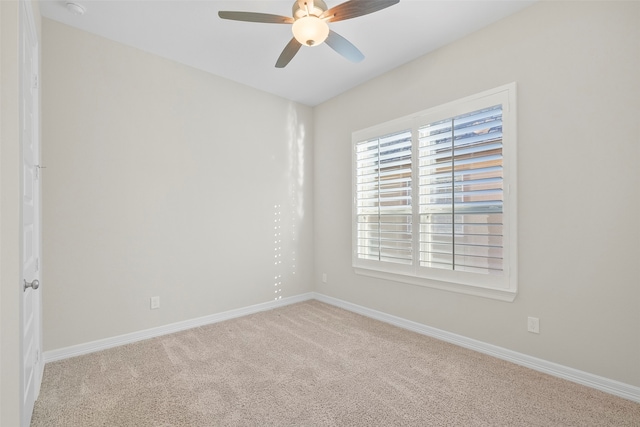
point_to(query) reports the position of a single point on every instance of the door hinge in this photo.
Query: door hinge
(35, 81)
(37, 264)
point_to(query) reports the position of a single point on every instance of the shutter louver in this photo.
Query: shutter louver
(461, 193)
(383, 199)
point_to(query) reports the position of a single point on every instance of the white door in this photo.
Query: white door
(29, 134)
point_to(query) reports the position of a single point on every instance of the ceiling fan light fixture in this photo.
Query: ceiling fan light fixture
(310, 30)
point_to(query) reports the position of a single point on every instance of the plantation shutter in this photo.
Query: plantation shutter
(383, 199)
(461, 193)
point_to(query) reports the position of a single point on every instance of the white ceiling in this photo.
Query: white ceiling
(190, 32)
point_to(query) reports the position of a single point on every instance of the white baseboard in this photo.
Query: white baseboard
(594, 381)
(93, 346)
(616, 388)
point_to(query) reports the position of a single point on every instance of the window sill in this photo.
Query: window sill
(506, 295)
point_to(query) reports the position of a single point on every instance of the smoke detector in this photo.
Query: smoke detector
(75, 8)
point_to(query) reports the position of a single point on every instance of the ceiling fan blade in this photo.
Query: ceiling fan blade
(354, 8)
(255, 17)
(288, 53)
(344, 47)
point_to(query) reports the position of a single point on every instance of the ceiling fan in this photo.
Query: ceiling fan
(310, 25)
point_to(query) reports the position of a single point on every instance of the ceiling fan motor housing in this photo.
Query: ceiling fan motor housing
(299, 9)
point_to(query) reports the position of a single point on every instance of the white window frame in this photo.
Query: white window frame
(501, 287)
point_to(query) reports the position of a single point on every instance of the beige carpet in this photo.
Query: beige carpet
(311, 364)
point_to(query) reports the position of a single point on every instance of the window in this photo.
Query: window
(435, 197)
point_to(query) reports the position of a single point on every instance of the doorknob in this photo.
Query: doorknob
(35, 284)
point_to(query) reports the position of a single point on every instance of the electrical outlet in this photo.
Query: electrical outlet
(155, 302)
(533, 325)
(324, 277)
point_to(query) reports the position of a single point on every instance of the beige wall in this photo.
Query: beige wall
(576, 65)
(166, 181)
